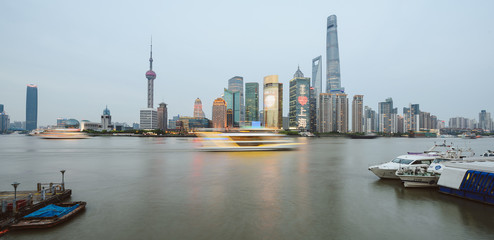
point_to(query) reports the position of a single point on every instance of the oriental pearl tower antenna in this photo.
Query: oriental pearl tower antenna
(150, 75)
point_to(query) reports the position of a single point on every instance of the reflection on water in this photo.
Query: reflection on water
(155, 188)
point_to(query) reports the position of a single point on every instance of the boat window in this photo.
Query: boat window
(422, 162)
(438, 160)
(402, 161)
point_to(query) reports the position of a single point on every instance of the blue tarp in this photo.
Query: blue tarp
(52, 211)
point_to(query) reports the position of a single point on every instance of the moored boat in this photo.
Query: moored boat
(388, 170)
(472, 179)
(49, 216)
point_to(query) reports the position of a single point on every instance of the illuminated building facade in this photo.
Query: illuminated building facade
(299, 109)
(198, 113)
(31, 107)
(251, 103)
(162, 116)
(357, 113)
(333, 79)
(219, 113)
(273, 102)
(236, 85)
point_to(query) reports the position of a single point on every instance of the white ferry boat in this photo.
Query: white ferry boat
(472, 179)
(416, 159)
(388, 170)
(63, 133)
(245, 140)
(428, 175)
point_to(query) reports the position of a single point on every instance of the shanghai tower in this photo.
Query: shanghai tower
(333, 80)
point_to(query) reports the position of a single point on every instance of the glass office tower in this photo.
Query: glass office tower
(333, 80)
(31, 107)
(236, 84)
(251, 103)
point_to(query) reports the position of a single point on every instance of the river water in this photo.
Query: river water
(163, 188)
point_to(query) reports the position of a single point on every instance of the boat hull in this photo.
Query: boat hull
(384, 173)
(47, 222)
(419, 181)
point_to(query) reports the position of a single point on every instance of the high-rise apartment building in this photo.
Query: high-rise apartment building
(358, 113)
(339, 116)
(425, 120)
(105, 120)
(273, 102)
(324, 114)
(251, 103)
(387, 117)
(236, 84)
(312, 110)
(370, 120)
(148, 119)
(219, 113)
(333, 79)
(198, 113)
(411, 117)
(162, 116)
(31, 107)
(299, 109)
(4, 120)
(485, 120)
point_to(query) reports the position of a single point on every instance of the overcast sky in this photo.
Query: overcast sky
(84, 55)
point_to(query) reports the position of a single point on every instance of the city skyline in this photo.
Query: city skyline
(383, 54)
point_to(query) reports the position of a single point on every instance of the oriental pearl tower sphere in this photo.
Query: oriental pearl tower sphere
(150, 75)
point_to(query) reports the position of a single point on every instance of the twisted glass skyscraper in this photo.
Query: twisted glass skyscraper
(333, 80)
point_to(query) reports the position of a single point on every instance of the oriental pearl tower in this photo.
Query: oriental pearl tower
(150, 75)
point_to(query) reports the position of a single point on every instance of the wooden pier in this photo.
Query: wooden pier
(29, 201)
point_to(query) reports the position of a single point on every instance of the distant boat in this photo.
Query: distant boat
(365, 136)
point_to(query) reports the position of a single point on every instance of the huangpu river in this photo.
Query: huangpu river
(163, 188)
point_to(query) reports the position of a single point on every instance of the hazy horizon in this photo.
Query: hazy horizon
(87, 55)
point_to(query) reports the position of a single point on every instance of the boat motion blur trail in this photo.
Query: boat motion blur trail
(245, 140)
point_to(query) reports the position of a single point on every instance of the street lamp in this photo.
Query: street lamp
(14, 205)
(63, 183)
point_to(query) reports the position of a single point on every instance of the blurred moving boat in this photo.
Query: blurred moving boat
(63, 133)
(245, 140)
